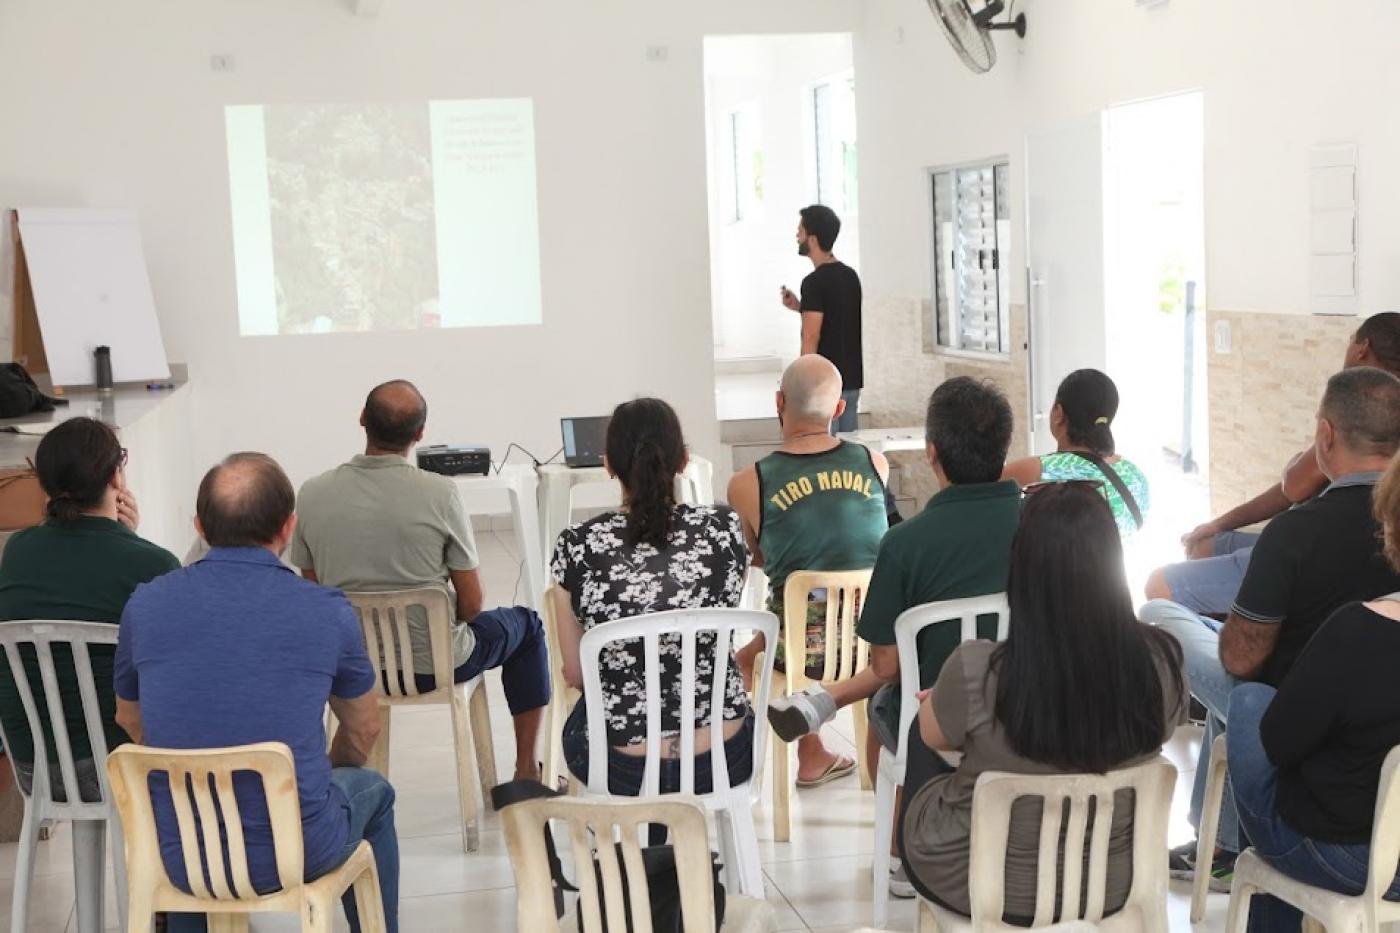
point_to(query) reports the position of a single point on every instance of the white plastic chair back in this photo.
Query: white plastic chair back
(913, 621)
(1385, 843)
(206, 809)
(592, 828)
(1059, 892)
(845, 654)
(685, 624)
(40, 637)
(907, 628)
(385, 623)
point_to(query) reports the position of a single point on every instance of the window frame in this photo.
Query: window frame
(1001, 231)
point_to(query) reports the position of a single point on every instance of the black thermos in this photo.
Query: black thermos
(102, 359)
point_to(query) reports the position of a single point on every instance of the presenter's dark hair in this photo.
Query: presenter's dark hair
(244, 501)
(1089, 400)
(969, 423)
(646, 450)
(821, 222)
(75, 462)
(389, 423)
(1363, 404)
(1382, 332)
(1078, 687)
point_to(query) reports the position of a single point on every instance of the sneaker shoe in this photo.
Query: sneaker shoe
(1222, 872)
(1181, 862)
(899, 884)
(802, 713)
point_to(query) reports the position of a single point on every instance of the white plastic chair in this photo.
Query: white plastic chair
(731, 805)
(890, 776)
(590, 821)
(91, 820)
(1338, 913)
(229, 896)
(1144, 911)
(844, 655)
(1209, 829)
(562, 698)
(384, 621)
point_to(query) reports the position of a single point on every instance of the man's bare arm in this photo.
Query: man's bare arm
(359, 729)
(1245, 645)
(467, 583)
(129, 718)
(743, 499)
(811, 331)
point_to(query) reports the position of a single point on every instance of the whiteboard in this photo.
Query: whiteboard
(91, 289)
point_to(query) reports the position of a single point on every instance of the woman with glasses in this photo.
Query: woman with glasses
(1079, 686)
(81, 564)
(1081, 422)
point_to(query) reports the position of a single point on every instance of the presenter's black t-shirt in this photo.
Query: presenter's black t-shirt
(834, 290)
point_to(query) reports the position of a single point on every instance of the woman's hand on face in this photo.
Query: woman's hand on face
(127, 511)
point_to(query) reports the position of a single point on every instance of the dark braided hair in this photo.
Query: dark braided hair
(646, 451)
(75, 462)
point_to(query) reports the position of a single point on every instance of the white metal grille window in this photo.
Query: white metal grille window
(971, 229)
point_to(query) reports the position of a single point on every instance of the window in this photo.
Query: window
(833, 121)
(971, 233)
(741, 165)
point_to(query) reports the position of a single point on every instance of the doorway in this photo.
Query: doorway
(1154, 285)
(780, 134)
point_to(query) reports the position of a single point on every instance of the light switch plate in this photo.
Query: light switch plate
(1222, 337)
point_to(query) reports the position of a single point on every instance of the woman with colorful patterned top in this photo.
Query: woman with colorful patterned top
(1082, 424)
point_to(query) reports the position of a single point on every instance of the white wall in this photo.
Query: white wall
(752, 257)
(1277, 80)
(116, 105)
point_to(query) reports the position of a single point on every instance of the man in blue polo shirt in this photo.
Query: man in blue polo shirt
(238, 649)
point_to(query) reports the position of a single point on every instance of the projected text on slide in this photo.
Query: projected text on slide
(384, 216)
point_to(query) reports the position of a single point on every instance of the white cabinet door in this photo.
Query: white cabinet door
(1065, 261)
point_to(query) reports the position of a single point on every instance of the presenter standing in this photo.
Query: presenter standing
(830, 307)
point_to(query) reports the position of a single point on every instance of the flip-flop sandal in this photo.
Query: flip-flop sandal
(840, 767)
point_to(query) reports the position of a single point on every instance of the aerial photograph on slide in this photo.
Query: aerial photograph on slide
(353, 236)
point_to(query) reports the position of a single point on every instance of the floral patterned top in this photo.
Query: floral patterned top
(702, 567)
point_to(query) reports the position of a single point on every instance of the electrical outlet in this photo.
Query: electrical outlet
(1222, 337)
(223, 62)
(658, 53)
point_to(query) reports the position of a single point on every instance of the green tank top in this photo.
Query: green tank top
(823, 511)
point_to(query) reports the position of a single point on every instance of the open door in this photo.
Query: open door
(1064, 261)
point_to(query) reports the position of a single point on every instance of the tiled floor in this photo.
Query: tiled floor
(818, 881)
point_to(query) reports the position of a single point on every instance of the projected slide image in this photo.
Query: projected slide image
(384, 217)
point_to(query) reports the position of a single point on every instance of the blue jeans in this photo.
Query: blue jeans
(850, 418)
(1210, 683)
(511, 638)
(370, 815)
(1340, 868)
(1211, 584)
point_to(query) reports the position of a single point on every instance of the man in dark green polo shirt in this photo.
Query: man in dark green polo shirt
(81, 564)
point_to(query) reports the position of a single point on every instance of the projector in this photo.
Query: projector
(453, 461)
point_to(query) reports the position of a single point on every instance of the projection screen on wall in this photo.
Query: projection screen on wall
(384, 216)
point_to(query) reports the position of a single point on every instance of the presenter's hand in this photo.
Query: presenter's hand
(790, 301)
(127, 511)
(1199, 542)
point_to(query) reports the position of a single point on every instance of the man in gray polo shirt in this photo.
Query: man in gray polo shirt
(380, 523)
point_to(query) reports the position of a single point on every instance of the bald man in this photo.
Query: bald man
(237, 649)
(816, 503)
(380, 523)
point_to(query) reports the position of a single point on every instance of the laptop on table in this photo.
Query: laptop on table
(585, 439)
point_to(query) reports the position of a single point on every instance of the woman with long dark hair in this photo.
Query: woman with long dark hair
(1081, 422)
(82, 563)
(1079, 686)
(651, 555)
